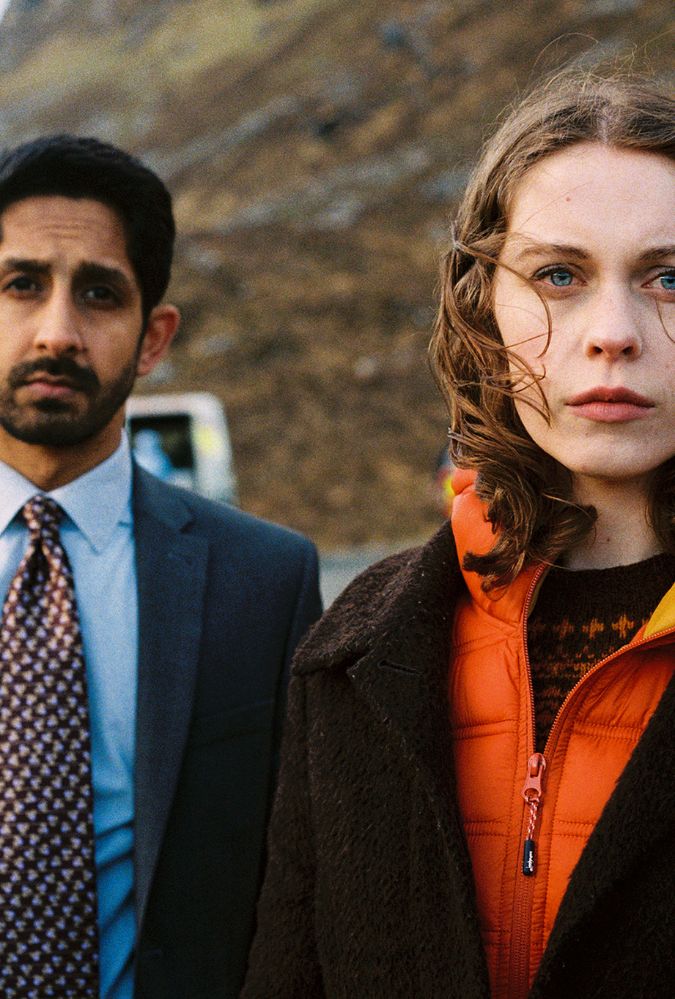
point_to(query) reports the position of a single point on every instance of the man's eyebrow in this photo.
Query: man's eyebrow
(91, 271)
(34, 266)
(86, 271)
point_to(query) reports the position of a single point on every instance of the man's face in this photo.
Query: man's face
(70, 321)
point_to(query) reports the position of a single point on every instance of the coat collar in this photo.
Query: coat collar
(395, 612)
(171, 571)
(390, 632)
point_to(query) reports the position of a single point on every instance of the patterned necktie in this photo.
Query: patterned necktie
(48, 930)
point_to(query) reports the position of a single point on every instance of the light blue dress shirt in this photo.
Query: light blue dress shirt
(97, 533)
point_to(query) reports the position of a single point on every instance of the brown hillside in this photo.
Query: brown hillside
(314, 148)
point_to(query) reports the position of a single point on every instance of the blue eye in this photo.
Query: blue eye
(667, 281)
(560, 278)
(555, 276)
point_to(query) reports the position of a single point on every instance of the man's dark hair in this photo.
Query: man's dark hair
(76, 167)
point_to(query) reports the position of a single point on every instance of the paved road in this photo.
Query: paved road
(339, 568)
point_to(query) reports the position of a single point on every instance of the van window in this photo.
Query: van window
(183, 438)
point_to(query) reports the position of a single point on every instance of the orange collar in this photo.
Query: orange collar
(474, 533)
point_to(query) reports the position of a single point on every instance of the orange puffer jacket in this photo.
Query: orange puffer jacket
(527, 818)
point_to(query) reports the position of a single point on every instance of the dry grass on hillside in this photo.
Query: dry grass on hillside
(315, 149)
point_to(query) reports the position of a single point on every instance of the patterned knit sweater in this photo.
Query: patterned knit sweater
(581, 617)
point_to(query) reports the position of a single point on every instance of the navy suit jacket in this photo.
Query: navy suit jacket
(223, 600)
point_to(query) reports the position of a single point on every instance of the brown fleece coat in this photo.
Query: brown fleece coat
(369, 890)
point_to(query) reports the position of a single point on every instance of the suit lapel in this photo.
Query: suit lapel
(171, 568)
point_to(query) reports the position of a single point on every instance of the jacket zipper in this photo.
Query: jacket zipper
(532, 792)
(519, 964)
(603, 662)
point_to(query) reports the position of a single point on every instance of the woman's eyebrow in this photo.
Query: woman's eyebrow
(527, 247)
(657, 253)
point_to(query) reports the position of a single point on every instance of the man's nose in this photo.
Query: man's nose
(58, 327)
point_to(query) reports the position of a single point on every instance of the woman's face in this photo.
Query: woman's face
(593, 229)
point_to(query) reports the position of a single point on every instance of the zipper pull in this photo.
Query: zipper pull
(532, 794)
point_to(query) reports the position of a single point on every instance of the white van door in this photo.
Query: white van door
(183, 438)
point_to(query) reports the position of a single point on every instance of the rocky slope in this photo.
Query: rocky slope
(315, 149)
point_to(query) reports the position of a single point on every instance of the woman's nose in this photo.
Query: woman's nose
(613, 329)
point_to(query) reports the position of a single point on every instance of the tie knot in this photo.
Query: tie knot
(42, 515)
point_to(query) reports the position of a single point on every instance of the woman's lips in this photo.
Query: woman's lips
(611, 412)
(610, 405)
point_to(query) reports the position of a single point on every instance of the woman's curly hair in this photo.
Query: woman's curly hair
(527, 494)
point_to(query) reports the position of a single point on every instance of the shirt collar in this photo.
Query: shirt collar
(96, 501)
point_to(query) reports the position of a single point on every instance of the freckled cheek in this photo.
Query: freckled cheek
(537, 345)
(530, 369)
(535, 425)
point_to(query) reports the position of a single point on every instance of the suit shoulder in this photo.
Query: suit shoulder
(219, 522)
(221, 515)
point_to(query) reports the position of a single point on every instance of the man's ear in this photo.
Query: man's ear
(159, 332)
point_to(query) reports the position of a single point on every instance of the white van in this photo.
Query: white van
(183, 438)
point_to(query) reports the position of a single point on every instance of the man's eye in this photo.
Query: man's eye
(22, 283)
(99, 294)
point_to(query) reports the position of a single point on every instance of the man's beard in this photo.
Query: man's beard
(57, 422)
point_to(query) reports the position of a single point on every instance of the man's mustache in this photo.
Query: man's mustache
(76, 375)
